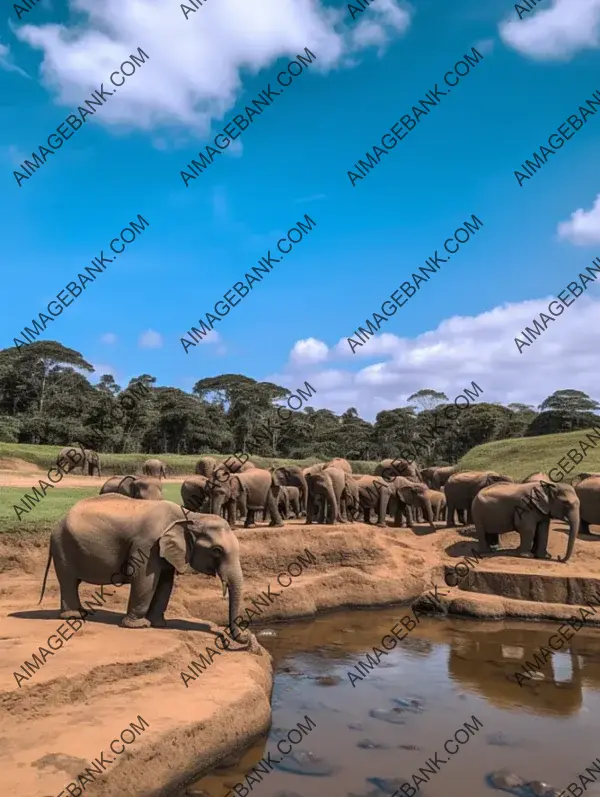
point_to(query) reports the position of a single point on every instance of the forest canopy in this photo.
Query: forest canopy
(47, 398)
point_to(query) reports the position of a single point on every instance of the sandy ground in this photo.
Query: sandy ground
(82, 697)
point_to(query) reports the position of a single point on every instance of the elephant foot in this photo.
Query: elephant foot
(542, 555)
(72, 614)
(382, 525)
(242, 638)
(158, 622)
(524, 554)
(135, 622)
(250, 526)
(276, 525)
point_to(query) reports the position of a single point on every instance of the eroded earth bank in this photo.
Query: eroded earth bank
(76, 707)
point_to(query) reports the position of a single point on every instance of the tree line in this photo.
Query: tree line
(47, 398)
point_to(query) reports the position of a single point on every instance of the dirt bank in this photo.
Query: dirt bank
(80, 699)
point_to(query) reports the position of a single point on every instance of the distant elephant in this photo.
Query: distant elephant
(72, 458)
(461, 489)
(341, 463)
(99, 538)
(292, 476)
(588, 492)
(350, 502)
(92, 460)
(390, 468)
(251, 490)
(195, 493)
(147, 489)
(155, 468)
(441, 476)
(326, 485)
(438, 503)
(526, 508)
(427, 475)
(376, 492)
(290, 499)
(205, 466)
(537, 476)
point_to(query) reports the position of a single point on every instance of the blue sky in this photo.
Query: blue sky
(293, 160)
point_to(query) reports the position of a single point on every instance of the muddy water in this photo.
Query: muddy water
(371, 737)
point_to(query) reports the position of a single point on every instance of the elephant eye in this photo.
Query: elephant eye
(217, 550)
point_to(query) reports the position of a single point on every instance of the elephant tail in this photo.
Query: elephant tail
(46, 573)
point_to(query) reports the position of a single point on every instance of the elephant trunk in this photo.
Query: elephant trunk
(333, 504)
(428, 511)
(573, 532)
(231, 575)
(303, 491)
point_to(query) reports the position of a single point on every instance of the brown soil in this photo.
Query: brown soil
(81, 698)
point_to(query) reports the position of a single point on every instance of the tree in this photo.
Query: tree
(427, 399)
(569, 402)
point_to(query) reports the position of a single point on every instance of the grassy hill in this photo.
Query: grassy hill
(520, 457)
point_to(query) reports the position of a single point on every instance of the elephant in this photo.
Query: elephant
(350, 504)
(236, 466)
(195, 493)
(438, 503)
(292, 476)
(375, 493)
(461, 489)
(147, 489)
(341, 463)
(75, 456)
(581, 476)
(290, 498)
(315, 468)
(251, 490)
(536, 477)
(92, 462)
(96, 539)
(390, 468)
(327, 486)
(588, 492)
(526, 508)
(441, 476)
(205, 466)
(427, 476)
(155, 468)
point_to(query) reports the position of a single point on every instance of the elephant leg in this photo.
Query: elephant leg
(367, 515)
(70, 603)
(483, 538)
(527, 531)
(383, 502)
(143, 588)
(540, 540)
(450, 510)
(250, 523)
(231, 513)
(399, 514)
(272, 505)
(469, 517)
(295, 508)
(494, 541)
(584, 527)
(408, 515)
(286, 506)
(160, 601)
(310, 509)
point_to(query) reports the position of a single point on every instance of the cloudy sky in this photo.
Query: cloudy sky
(371, 67)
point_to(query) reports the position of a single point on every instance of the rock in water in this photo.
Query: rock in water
(304, 762)
(394, 715)
(541, 789)
(409, 704)
(367, 744)
(508, 781)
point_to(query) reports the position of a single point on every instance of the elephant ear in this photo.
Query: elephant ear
(236, 486)
(540, 496)
(175, 545)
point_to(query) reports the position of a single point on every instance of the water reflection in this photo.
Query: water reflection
(407, 705)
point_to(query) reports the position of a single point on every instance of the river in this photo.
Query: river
(369, 737)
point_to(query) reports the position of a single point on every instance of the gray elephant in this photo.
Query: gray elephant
(292, 476)
(97, 539)
(92, 462)
(376, 493)
(155, 468)
(438, 503)
(588, 492)
(581, 477)
(526, 508)
(325, 486)
(251, 491)
(427, 476)
(390, 468)
(234, 465)
(72, 458)
(205, 466)
(195, 494)
(461, 489)
(146, 489)
(290, 500)
(341, 463)
(441, 475)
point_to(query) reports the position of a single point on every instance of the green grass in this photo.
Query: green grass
(180, 464)
(520, 457)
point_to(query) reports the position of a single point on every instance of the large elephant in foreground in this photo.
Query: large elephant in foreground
(155, 468)
(147, 489)
(100, 537)
(390, 468)
(526, 508)
(461, 489)
(588, 492)
(292, 476)
(249, 491)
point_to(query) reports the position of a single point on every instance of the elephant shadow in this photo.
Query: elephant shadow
(105, 617)
(460, 550)
(423, 530)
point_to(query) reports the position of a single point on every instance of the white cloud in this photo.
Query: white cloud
(109, 338)
(210, 338)
(101, 369)
(462, 349)
(194, 71)
(583, 228)
(6, 61)
(377, 23)
(554, 33)
(150, 340)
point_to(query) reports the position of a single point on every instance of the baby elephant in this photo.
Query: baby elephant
(134, 486)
